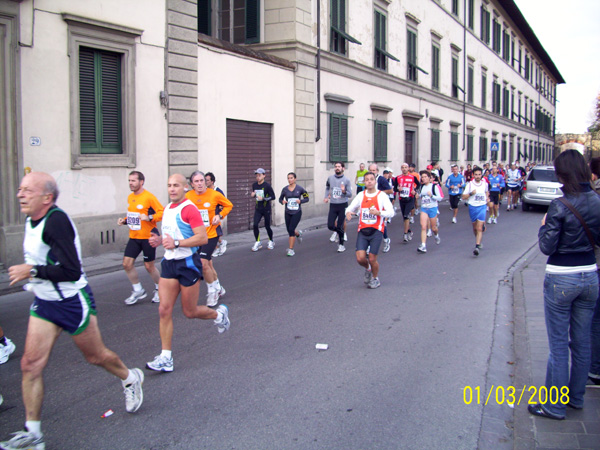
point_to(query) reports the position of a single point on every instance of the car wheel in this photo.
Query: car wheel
(525, 206)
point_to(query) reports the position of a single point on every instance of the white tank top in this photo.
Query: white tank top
(174, 226)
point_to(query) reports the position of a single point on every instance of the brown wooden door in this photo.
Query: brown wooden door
(409, 139)
(248, 148)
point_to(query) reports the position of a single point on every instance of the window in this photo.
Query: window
(503, 151)
(239, 21)
(435, 144)
(411, 57)
(102, 78)
(435, 67)
(512, 103)
(483, 90)
(512, 52)
(455, 86)
(470, 146)
(519, 111)
(496, 97)
(506, 46)
(525, 116)
(470, 86)
(380, 140)
(454, 146)
(485, 25)
(505, 101)
(204, 17)
(455, 7)
(527, 67)
(338, 137)
(496, 43)
(511, 152)
(471, 16)
(339, 36)
(381, 54)
(483, 143)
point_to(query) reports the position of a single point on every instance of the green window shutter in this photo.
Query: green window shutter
(470, 147)
(454, 146)
(503, 157)
(471, 87)
(111, 101)
(204, 13)
(435, 144)
(87, 98)
(435, 67)
(343, 139)
(252, 21)
(338, 138)
(380, 140)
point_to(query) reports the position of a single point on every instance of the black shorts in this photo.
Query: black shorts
(406, 206)
(187, 271)
(367, 238)
(136, 246)
(495, 197)
(207, 249)
(454, 201)
(513, 188)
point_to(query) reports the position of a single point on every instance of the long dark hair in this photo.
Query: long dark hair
(571, 170)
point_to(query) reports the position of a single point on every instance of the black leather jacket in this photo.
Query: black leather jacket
(563, 232)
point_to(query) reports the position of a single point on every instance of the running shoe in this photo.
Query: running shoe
(374, 283)
(417, 211)
(290, 252)
(161, 364)
(429, 234)
(222, 292)
(454, 220)
(212, 298)
(489, 219)
(135, 296)
(257, 246)
(437, 239)
(155, 297)
(495, 220)
(411, 219)
(476, 250)
(345, 237)
(484, 228)
(368, 276)
(508, 208)
(405, 238)
(386, 245)
(222, 247)
(6, 350)
(216, 253)
(224, 324)
(271, 245)
(300, 233)
(422, 248)
(592, 382)
(341, 248)
(410, 235)
(24, 440)
(134, 395)
(333, 237)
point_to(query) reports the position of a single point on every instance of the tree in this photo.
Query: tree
(595, 126)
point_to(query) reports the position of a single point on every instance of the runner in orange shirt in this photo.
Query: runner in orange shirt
(207, 200)
(144, 211)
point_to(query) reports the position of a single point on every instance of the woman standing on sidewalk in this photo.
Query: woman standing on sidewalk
(570, 284)
(594, 375)
(292, 196)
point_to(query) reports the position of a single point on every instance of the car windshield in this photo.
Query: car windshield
(542, 175)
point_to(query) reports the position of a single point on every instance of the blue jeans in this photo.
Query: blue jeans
(595, 367)
(569, 301)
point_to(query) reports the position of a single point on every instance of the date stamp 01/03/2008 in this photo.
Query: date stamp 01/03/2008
(511, 395)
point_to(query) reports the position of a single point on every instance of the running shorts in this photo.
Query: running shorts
(454, 200)
(188, 271)
(367, 238)
(207, 249)
(71, 314)
(406, 206)
(477, 213)
(431, 212)
(495, 197)
(136, 246)
(513, 188)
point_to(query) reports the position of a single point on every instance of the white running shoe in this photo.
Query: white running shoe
(345, 237)
(24, 440)
(368, 276)
(454, 220)
(6, 350)
(437, 239)
(411, 219)
(222, 292)
(224, 324)
(489, 219)
(495, 220)
(386, 245)
(429, 234)
(508, 208)
(257, 246)
(217, 252)
(212, 298)
(161, 364)
(374, 283)
(333, 237)
(135, 296)
(134, 395)
(155, 297)
(271, 245)
(405, 238)
(341, 248)
(300, 233)
(422, 248)
(476, 251)
(222, 247)
(290, 252)
(410, 235)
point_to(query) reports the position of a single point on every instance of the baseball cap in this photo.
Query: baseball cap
(429, 167)
(388, 169)
(260, 170)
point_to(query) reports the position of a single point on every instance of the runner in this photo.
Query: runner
(384, 186)
(144, 211)
(455, 184)
(468, 174)
(496, 183)
(430, 196)
(412, 170)
(372, 207)
(207, 201)
(360, 178)
(209, 177)
(183, 233)
(477, 195)
(6, 347)
(292, 196)
(523, 174)
(407, 187)
(264, 195)
(337, 192)
(513, 183)
(63, 301)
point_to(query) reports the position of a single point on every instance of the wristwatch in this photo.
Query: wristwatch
(150, 217)
(176, 242)
(33, 272)
(220, 216)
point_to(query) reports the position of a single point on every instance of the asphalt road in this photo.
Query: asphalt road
(392, 378)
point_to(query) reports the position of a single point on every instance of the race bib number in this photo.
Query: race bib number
(336, 193)
(360, 180)
(455, 189)
(494, 185)
(134, 222)
(366, 217)
(204, 214)
(480, 197)
(405, 192)
(260, 194)
(426, 200)
(293, 204)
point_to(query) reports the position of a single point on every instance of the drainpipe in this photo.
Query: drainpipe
(464, 77)
(318, 114)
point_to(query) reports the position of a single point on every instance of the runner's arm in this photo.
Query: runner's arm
(304, 196)
(355, 204)
(158, 210)
(387, 209)
(226, 204)
(270, 194)
(60, 236)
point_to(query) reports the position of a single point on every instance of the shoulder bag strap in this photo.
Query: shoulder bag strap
(565, 202)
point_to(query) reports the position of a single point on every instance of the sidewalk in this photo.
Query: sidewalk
(581, 429)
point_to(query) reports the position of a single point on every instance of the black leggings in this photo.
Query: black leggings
(258, 214)
(337, 212)
(291, 222)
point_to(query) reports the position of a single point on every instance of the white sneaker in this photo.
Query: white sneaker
(429, 234)
(290, 252)
(257, 246)
(161, 364)
(341, 248)
(386, 245)
(345, 237)
(24, 440)
(224, 324)
(333, 237)
(271, 245)
(410, 235)
(134, 395)
(222, 292)
(212, 298)
(368, 276)
(495, 220)
(374, 283)
(299, 237)
(489, 219)
(454, 220)
(405, 238)
(437, 239)
(217, 252)
(508, 208)
(411, 219)
(422, 248)
(155, 297)
(222, 247)
(135, 296)
(6, 350)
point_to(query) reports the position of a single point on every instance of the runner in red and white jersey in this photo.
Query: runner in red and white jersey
(407, 187)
